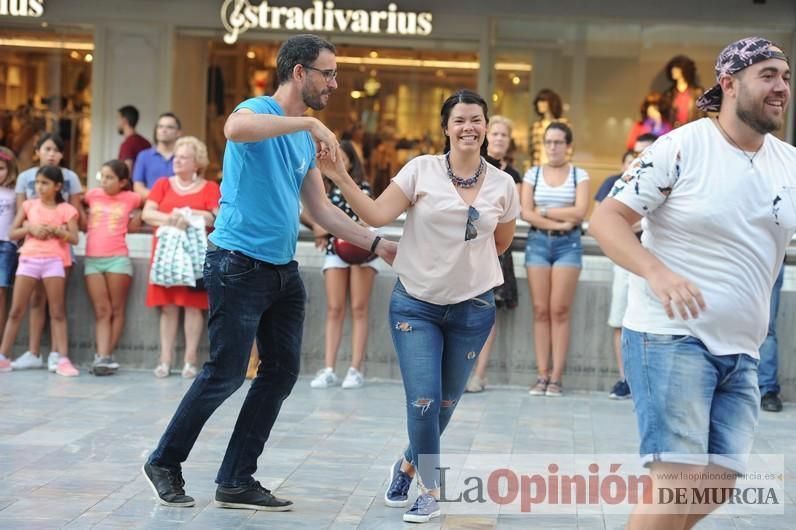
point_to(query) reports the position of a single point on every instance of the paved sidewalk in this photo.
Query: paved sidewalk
(71, 452)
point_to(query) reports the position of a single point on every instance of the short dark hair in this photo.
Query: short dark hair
(54, 174)
(56, 139)
(170, 115)
(129, 113)
(467, 97)
(300, 49)
(563, 127)
(553, 100)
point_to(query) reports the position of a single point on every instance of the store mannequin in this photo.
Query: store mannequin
(654, 119)
(681, 96)
(548, 108)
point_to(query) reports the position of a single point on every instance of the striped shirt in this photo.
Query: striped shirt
(554, 196)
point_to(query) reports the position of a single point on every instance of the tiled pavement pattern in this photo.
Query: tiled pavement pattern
(71, 452)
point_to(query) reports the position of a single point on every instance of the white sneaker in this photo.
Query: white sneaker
(353, 379)
(52, 360)
(27, 361)
(324, 379)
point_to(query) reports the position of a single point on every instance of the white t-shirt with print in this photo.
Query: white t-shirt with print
(26, 183)
(8, 208)
(561, 196)
(434, 262)
(719, 221)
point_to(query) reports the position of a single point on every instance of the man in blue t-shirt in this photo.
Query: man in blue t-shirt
(251, 278)
(157, 162)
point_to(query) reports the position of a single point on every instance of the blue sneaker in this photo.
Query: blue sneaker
(621, 390)
(397, 494)
(423, 510)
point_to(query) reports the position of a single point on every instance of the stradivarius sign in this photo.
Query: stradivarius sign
(22, 8)
(239, 16)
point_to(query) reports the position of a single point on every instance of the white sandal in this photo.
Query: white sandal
(189, 371)
(162, 370)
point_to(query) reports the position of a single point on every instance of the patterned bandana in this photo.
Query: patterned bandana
(734, 58)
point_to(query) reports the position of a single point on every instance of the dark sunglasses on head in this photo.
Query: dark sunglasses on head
(470, 231)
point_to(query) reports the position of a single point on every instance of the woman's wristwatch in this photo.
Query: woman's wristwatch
(543, 211)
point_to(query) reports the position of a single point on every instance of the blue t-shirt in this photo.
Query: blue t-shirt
(606, 187)
(150, 166)
(259, 213)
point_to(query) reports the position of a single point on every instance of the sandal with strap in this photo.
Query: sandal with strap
(554, 389)
(540, 387)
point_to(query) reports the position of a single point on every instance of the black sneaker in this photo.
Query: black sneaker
(771, 402)
(253, 497)
(621, 390)
(167, 485)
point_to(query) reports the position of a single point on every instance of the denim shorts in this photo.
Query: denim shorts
(544, 250)
(8, 263)
(692, 407)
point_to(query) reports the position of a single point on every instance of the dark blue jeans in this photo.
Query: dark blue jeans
(248, 299)
(437, 346)
(769, 354)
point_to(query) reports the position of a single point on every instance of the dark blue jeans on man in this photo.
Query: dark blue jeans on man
(769, 355)
(248, 299)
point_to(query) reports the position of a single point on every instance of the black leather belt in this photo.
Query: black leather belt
(557, 233)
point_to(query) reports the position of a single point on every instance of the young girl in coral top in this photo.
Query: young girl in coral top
(48, 225)
(109, 270)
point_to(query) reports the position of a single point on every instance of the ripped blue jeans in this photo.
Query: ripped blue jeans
(437, 346)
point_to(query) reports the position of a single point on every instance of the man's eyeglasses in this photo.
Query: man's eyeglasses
(327, 74)
(470, 231)
(554, 143)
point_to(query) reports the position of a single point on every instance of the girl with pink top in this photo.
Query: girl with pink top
(48, 225)
(8, 249)
(108, 270)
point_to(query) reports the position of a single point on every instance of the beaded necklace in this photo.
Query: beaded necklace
(460, 182)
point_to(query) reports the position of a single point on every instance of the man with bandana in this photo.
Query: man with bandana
(719, 198)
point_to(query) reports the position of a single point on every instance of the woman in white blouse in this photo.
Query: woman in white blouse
(461, 214)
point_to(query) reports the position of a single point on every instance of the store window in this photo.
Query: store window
(602, 73)
(387, 100)
(45, 86)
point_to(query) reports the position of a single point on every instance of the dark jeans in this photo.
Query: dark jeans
(248, 299)
(769, 351)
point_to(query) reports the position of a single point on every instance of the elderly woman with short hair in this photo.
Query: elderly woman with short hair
(186, 188)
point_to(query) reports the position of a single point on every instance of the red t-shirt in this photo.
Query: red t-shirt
(131, 146)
